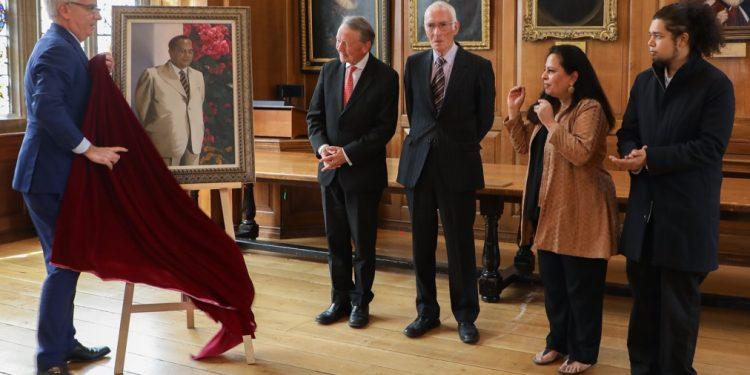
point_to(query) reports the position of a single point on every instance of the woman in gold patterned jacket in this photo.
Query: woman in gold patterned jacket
(569, 211)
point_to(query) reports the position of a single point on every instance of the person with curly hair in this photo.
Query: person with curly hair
(674, 133)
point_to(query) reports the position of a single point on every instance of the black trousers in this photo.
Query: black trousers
(351, 217)
(664, 321)
(457, 211)
(574, 301)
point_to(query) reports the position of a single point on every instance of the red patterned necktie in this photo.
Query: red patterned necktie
(349, 83)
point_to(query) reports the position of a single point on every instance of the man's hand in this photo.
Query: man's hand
(634, 161)
(333, 157)
(109, 61)
(108, 156)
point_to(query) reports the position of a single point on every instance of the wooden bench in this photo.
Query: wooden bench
(503, 183)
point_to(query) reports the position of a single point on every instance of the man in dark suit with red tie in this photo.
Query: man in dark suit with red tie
(450, 97)
(351, 118)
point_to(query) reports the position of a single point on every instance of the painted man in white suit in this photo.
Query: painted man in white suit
(169, 103)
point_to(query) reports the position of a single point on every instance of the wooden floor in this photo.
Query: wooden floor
(290, 292)
(726, 281)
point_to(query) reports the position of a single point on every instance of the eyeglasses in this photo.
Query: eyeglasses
(442, 26)
(92, 8)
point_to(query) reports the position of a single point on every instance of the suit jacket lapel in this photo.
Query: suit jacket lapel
(195, 90)
(338, 86)
(168, 75)
(73, 41)
(457, 73)
(426, 84)
(364, 80)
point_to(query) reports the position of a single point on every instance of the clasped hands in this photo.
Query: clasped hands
(332, 157)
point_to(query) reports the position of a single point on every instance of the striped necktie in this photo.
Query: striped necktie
(184, 81)
(438, 84)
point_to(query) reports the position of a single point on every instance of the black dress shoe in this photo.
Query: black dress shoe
(420, 326)
(54, 370)
(83, 354)
(468, 332)
(335, 312)
(359, 317)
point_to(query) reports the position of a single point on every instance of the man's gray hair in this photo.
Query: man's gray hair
(360, 24)
(52, 6)
(441, 5)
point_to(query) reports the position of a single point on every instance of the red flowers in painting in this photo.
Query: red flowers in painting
(214, 41)
(212, 44)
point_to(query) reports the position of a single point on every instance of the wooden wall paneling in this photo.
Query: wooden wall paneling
(15, 223)
(268, 207)
(640, 15)
(301, 212)
(508, 52)
(515, 62)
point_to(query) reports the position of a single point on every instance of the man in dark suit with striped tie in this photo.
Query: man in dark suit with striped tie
(450, 98)
(351, 118)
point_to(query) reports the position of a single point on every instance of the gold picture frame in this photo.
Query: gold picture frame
(221, 63)
(597, 20)
(735, 19)
(473, 15)
(320, 19)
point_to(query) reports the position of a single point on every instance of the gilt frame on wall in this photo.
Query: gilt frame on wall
(472, 15)
(570, 19)
(320, 20)
(734, 16)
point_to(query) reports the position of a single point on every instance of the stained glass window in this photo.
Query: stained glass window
(5, 100)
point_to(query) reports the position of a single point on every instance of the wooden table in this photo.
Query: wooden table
(503, 183)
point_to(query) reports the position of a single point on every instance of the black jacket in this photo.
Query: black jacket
(687, 126)
(466, 116)
(362, 128)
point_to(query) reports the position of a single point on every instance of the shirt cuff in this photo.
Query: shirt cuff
(640, 170)
(346, 157)
(83, 146)
(321, 148)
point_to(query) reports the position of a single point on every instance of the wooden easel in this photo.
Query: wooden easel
(128, 308)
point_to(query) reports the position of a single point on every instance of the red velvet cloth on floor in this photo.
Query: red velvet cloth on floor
(136, 224)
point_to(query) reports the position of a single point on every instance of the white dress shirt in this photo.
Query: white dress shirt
(355, 77)
(450, 58)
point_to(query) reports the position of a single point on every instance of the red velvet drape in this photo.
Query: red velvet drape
(135, 223)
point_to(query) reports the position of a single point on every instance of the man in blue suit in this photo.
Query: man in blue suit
(57, 88)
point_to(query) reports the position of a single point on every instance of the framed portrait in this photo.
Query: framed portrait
(186, 73)
(570, 19)
(734, 15)
(320, 20)
(473, 16)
